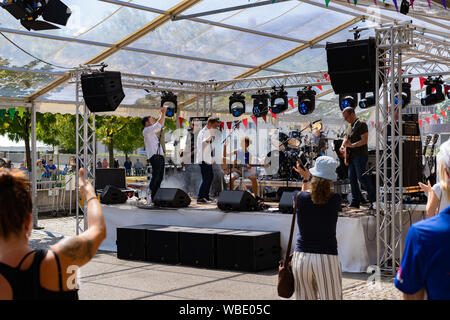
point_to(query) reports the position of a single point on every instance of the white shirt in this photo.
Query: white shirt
(151, 140)
(204, 148)
(444, 201)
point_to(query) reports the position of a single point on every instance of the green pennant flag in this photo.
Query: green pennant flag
(355, 2)
(12, 113)
(21, 110)
(327, 2)
(2, 114)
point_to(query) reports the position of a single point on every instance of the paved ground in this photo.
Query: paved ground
(107, 277)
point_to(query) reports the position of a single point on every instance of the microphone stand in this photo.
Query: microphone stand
(230, 165)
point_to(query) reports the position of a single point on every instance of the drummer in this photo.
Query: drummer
(319, 141)
(243, 157)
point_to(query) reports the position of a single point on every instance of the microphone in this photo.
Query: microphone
(317, 121)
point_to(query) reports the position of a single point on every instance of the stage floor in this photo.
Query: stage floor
(356, 231)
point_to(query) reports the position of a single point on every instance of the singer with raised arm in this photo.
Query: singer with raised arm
(155, 154)
(205, 158)
(357, 153)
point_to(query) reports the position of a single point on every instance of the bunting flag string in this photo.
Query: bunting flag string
(180, 119)
(229, 123)
(319, 86)
(420, 123)
(443, 3)
(273, 114)
(435, 117)
(427, 120)
(21, 110)
(422, 80)
(265, 118)
(245, 122)
(443, 113)
(12, 113)
(396, 6)
(412, 4)
(222, 125)
(255, 120)
(429, 3)
(291, 103)
(327, 2)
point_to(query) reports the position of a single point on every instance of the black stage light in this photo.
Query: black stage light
(404, 7)
(366, 102)
(278, 100)
(306, 101)
(348, 100)
(406, 94)
(430, 97)
(447, 90)
(260, 104)
(169, 100)
(28, 11)
(237, 104)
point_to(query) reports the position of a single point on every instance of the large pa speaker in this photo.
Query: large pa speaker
(110, 176)
(198, 247)
(237, 200)
(286, 204)
(163, 244)
(352, 65)
(102, 91)
(112, 195)
(248, 250)
(131, 242)
(172, 198)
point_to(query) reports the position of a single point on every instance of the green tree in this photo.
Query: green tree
(130, 138)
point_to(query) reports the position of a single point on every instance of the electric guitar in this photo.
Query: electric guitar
(345, 152)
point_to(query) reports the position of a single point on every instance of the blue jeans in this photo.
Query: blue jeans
(157, 162)
(356, 168)
(207, 178)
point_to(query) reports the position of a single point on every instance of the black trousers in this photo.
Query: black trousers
(157, 163)
(207, 178)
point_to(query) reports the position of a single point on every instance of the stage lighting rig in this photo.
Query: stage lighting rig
(278, 100)
(260, 104)
(430, 97)
(348, 100)
(28, 11)
(306, 101)
(366, 102)
(237, 104)
(169, 100)
(406, 94)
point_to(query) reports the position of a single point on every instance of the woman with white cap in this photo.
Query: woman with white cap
(439, 194)
(315, 263)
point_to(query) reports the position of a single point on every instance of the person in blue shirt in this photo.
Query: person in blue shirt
(50, 170)
(425, 268)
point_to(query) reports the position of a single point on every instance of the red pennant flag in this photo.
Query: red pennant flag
(222, 125)
(443, 113)
(255, 120)
(422, 80)
(265, 118)
(410, 80)
(326, 76)
(181, 120)
(245, 122)
(320, 87)
(428, 120)
(273, 114)
(420, 123)
(435, 117)
(291, 102)
(229, 123)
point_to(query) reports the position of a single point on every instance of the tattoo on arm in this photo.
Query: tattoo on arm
(77, 248)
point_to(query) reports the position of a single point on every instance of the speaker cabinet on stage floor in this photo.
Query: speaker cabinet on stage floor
(286, 204)
(248, 250)
(102, 91)
(131, 242)
(112, 195)
(236, 200)
(172, 198)
(163, 244)
(198, 247)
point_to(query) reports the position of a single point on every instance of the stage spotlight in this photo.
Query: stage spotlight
(28, 11)
(306, 101)
(169, 100)
(430, 97)
(278, 100)
(447, 90)
(237, 104)
(348, 100)
(404, 7)
(260, 104)
(406, 94)
(366, 102)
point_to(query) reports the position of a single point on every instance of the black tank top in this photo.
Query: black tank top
(26, 285)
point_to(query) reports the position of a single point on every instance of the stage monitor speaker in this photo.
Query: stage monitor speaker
(198, 247)
(131, 242)
(352, 65)
(248, 250)
(236, 200)
(112, 176)
(287, 202)
(112, 195)
(102, 91)
(172, 198)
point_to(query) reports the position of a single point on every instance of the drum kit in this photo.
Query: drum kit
(296, 146)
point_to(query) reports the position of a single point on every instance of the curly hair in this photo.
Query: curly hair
(15, 201)
(320, 190)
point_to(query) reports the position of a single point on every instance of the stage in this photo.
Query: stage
(356, 232)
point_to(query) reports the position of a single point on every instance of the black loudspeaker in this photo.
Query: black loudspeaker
(102, 91)
(110, 176)
(286, 204)
(171, 197)
(248, 250)
(112, 195)
(163, 244)
(198, 247)
(352, 65)
(131, 242)
(230, 200)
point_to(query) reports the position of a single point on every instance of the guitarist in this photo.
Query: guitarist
(356, 151)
